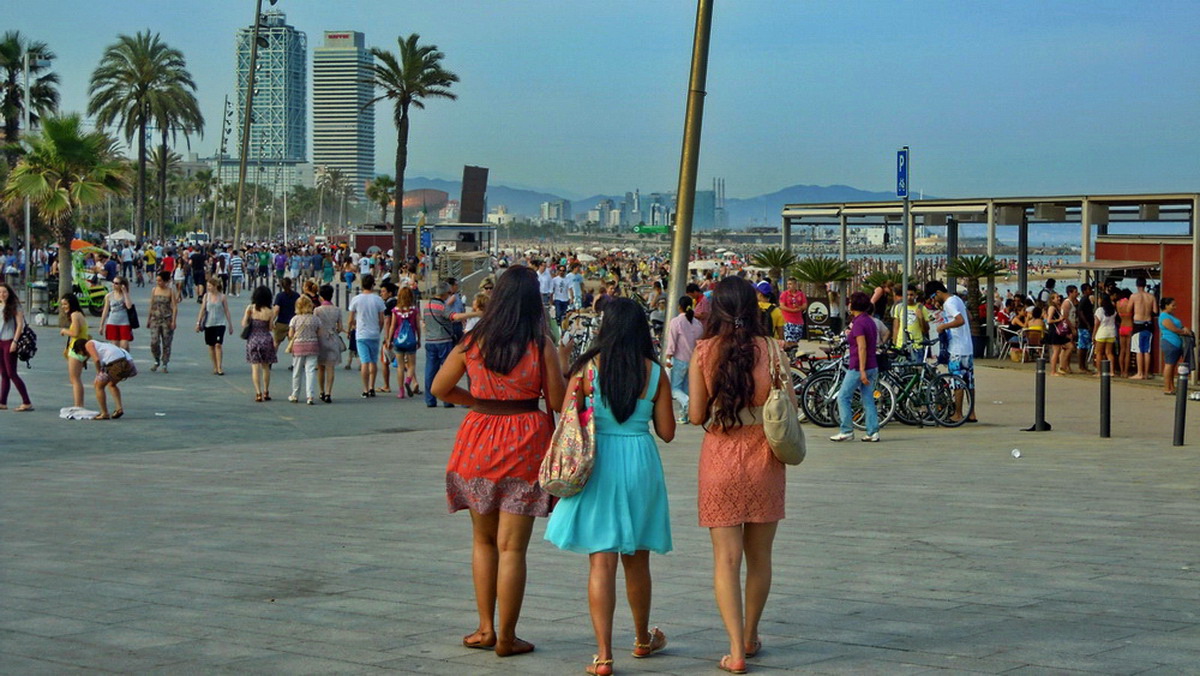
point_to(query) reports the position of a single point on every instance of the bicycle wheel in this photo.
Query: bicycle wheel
(905, 401)
(885, 406)
(943, 395)
(818, 401)
(798, 380)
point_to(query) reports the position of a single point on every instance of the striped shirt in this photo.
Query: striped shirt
(236, 267)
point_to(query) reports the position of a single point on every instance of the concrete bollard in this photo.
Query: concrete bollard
(1105, 399)
(1181, 394)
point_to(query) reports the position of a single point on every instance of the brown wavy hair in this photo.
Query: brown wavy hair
(735, 326)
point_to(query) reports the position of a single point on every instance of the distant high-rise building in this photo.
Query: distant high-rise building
(558, 211)
(704, 211)
(343, 122)
(278, 138)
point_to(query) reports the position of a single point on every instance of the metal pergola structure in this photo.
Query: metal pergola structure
(1083, 211)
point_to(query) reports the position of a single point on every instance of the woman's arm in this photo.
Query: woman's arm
(125, 295)
(246, 316)
(20, 327)
(553, 383)
(104, 313)
(697, 393)
(664, 411)
(445, 384)
(861, 343)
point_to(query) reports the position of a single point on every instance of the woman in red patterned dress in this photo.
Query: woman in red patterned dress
(741, 493)
(493, 470)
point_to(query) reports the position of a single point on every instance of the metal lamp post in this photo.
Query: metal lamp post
(250, 81)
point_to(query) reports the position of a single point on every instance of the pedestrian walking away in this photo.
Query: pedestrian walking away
(493, 470)
(260, 343)
(622, 513)
(741, 482)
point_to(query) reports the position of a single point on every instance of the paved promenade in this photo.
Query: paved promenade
(277, 538)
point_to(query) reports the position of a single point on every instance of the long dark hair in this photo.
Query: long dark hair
(623, 344)
(1106, 304)
(11, 305)
(513, 319)
(734, 323)
(72, 303)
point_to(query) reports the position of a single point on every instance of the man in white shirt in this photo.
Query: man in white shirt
(962, 351)
(544, 277)
(367, 314)
(576, 281)
(560, 291)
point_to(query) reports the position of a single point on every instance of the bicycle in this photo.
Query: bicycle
(818, 398)
(923, 395)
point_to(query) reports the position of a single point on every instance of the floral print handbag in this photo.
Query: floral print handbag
(572, 454)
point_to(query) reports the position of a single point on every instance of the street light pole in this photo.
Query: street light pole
(250, 81)
(690, 157)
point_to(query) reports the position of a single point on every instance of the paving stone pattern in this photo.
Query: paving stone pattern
(283, 539)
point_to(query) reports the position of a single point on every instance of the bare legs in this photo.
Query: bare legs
(602, 596)
(730, 544)
(75, 373)
(215, 354)
(260, 374)
(500, 540)
(102, 401)
(1123, 355)
(325, 377)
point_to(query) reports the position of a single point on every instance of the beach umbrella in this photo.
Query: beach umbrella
(586, 258)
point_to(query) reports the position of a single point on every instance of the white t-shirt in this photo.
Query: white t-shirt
(560, 288)
(1106, 325)
(364, 265)
(544, 280)
(110, 353)
(366, 308)
(960, 336)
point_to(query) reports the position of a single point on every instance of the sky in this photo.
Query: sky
(994, 98)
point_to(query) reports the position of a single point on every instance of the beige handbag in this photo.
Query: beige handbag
(781, 422)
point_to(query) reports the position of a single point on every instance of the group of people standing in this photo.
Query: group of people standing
(622, 514)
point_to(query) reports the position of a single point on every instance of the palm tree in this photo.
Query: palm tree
(127, 88)
(776, 258)
(175, 109)
(66, 170)
(972, 269)
(43, 94)
(821, 270)
(165, 163)
(406, 81)
(202, 188)
(379, 191)
(881, 277)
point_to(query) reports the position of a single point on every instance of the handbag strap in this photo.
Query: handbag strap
(773, 354)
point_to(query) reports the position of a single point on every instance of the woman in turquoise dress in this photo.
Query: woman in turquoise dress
(621, 514)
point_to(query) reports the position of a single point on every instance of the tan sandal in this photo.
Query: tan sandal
(727, 664)
(23, 408)
(599, 667)
(658, 641)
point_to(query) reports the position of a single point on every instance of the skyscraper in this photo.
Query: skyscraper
(343, 123)
(278, 140)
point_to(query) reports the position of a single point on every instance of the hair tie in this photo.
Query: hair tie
(738, 322)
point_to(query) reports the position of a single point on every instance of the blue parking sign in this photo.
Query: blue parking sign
(902, 172)
(427, 240)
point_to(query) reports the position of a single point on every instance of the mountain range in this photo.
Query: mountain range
(743, 212)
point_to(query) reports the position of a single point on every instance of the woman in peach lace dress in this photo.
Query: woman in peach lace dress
(741, 492)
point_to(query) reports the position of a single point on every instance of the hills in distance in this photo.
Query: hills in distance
(743, 212)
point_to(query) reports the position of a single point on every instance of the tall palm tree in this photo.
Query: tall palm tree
(165, 163)
(379, 191)
(125, 87)
(66, 170)
(43, 94)
(174, 109)
(407, 81)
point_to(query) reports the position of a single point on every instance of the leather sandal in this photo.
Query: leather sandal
(727, 664)
(516, 647)
(753, 649)
(599, 667)
(658, 641)
(481, 644)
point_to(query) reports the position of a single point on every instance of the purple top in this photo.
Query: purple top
(863, 325)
